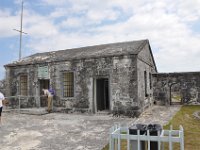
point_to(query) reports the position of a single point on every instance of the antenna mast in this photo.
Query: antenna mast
(20, 31)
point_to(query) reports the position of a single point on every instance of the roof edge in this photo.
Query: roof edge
(152, 55)
(143, 42)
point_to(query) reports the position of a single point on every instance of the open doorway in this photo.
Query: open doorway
(175, 94)
(44, 84)
(102, 94)
(176, 97)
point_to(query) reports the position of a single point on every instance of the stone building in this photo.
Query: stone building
(93, 78)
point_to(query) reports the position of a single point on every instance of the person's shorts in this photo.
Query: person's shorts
(1, 110)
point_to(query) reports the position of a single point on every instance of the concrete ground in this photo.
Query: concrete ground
(59, 131)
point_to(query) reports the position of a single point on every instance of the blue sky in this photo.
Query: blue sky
(172, 27)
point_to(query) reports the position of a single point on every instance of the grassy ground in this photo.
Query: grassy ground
(191, 128)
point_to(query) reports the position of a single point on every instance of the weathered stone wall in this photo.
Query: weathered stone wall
(120, 70)
(12, 86)
(124, 83)
(13, 77)
(186, 84)
(142, 97)
(144, 64)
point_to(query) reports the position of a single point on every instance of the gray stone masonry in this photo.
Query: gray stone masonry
(121, 64)
(185, 86)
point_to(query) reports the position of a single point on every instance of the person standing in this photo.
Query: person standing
(49, 93)
(2, 98)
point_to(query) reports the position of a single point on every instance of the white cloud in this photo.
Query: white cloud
(8, 23)
(42, 29)
(74, 23)
(38, 26)
(54, 2)
(58, 12)
(99, 16)
(189, 10)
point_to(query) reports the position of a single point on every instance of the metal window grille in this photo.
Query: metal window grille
(68, 84)
(23, 85)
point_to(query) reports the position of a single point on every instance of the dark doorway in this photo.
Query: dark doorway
(44, 84)
(102, 94)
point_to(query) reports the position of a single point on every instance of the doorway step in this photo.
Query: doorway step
(34, 111)
(103, 112)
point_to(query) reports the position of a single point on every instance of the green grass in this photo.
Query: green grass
(191, 127)
(176, 98)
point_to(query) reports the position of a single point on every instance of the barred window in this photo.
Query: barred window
(68, 84)
(23, 85)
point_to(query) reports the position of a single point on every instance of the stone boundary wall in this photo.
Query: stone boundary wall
(187, 84)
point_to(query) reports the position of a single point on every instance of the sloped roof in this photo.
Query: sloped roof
(113, 49)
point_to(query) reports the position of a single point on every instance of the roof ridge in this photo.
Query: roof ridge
(142, 46)
(94, 51)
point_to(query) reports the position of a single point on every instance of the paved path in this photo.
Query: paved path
(57, 131)
(158, 114)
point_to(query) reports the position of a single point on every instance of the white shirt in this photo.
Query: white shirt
(1, 99)
(46, 92)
